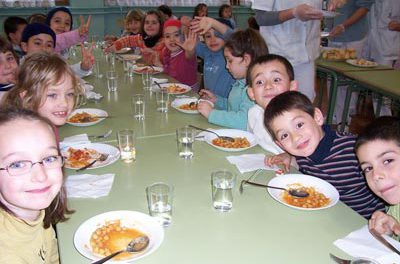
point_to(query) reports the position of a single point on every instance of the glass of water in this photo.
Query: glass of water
(222, 182)
(185, 139)
(162, 100)
(138, 106)
(147, 78)
(126, 143)
(159, 199)
(112, 81)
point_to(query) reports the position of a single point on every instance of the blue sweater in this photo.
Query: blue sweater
(216, 77)
(232, 111)
(335, 161)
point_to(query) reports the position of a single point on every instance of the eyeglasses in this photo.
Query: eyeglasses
(21, 167)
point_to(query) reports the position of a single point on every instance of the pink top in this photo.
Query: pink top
(68, 39)
(179, 67)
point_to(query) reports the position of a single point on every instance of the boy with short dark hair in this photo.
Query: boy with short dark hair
(297, 127)
(13, 27)
(378, 151)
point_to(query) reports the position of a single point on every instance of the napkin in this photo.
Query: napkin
(88, 185)
(250, 162)
(74, 140)
(361, 243)
(89, 93)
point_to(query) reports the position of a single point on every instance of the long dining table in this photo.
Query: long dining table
(258, 229)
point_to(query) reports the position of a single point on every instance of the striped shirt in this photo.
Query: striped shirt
(335, 161)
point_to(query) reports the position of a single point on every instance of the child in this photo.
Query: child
(46, 85)
(378, 151)
(225, 12)
(200, 10)
(216, 77)
(150, 41)
(296, 126)
(166, 12)
(32, 196)
(179, 59)
(132, 24)
(59, 19)
(13, 27)
(241, 49)
(8, 67)
(37, 18)
(267, 77)
(40, 37)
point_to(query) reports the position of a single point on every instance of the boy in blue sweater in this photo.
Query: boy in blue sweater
(297, 127)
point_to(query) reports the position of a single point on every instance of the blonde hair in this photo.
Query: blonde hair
(37, 73)
(134, 14)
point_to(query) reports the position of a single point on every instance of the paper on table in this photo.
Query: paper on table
(361, 243)
(250, 162)
(154, 80)
(89, 93)
(88, 185)
(74, 140)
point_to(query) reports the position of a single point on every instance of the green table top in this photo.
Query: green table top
(385, 82)
(342, 66)
(257, 230)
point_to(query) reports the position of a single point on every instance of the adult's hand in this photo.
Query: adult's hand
(306, 12)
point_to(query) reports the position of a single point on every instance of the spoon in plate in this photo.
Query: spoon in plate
(136, 245)
(226, 138)
(295, 192)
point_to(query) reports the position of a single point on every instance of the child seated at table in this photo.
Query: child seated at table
(378, 151)
(132, 24)
(32, 195)
(268, 76)
(8, 67)
(297, 127)
(13, 27)
(47, 85)
(179, 58)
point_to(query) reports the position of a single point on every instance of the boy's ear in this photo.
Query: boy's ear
(247, 59)
(293, 86)
(250, 93)
(24, 47)
(318, 116)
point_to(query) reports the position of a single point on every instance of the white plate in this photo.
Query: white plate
(113, 154)
(92, 111)
(308, 181)
(139, 69)
(140, 221)
(186, 88)
(329, 14)
(208, 137)
(123, 50)
(353, 62)
(181, 101)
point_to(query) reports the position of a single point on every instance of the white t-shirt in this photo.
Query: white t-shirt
(255, 125)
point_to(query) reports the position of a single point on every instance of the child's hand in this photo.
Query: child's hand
(110, 49)
(207, 95)
(84, 28)
(280, 159)
(384, 224)
(204, 108)
(87, 57)
(150, 56)
(190, 42)
(201, 25)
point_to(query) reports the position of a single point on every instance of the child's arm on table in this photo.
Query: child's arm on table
(280, 159)
(204, 108)
(384, 223)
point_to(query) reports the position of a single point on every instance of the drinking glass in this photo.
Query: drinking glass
(222, 182)
(97, 68)
(162, 100)
(146, 80)
(159, 199)
(112, 81)
(126, 143)
(185, 138)
(110, 58)
(138, 106)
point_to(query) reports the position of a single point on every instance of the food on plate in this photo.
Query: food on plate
(238, 142)
(112, 237)
(314, 200)
(147, 69)
(175, 88)
(83, 117)
(191, 106)
(363, 62)
(339, 54)
(77, 158)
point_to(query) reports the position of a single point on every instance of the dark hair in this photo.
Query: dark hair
(165, 9)
(383, 128)
(37, 18)
(57, 209)
(287, 101)
(11, 24)
(35, 29)
(160, 19)
(6, 46)
(197, 9)
(247, 41)
(53, 11)
(252, 23)
(222, 8)
(266, 59)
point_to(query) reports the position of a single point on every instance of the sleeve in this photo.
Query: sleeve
(68, 39)
(129, 41)
(200, 49)
(267, 18)
(227, 33)
(266, 5)
(78, 71)
(10, 257)
(221, 103)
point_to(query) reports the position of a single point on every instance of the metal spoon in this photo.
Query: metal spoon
(226, 138)
(102, 157)
(136, 245)
(293, 192)
(105, 135)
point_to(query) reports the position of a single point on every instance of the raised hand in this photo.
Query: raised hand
(87, 57)
(201, 25)
(84, 28)
(190, 42)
